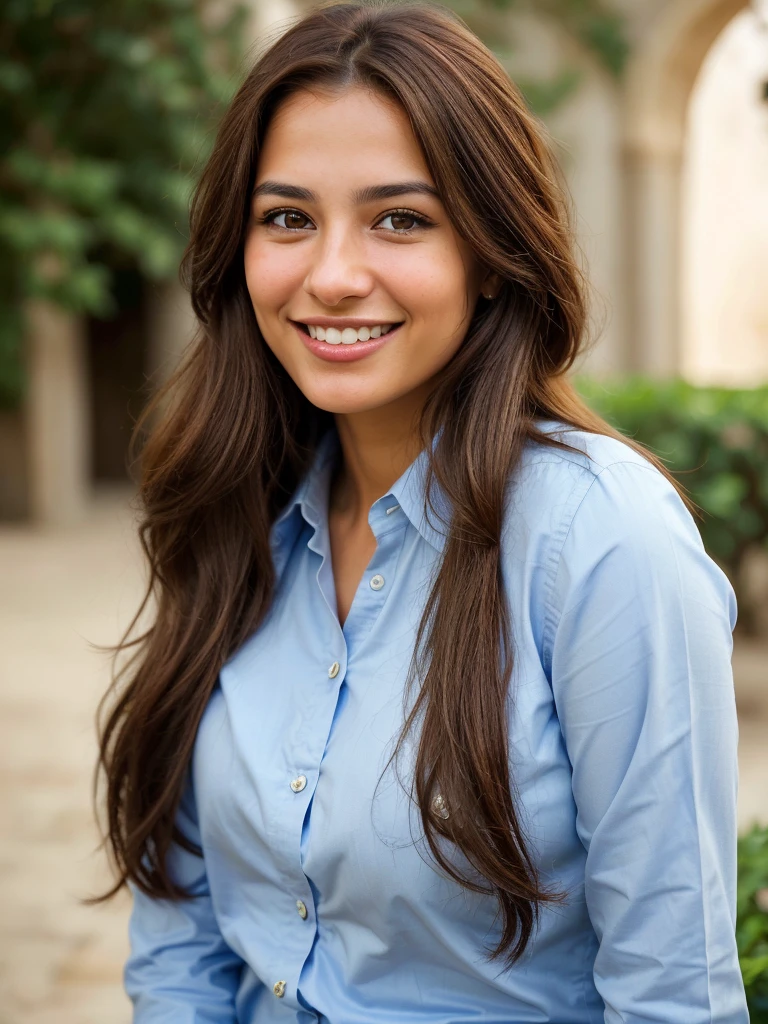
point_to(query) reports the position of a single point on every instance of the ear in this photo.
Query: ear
(491, 285)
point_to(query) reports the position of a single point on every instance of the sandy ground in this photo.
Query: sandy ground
(61, 961)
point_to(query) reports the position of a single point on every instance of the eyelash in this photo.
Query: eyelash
(421, 222)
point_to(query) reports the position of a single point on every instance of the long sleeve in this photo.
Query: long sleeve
(639, 642)
(180, 969)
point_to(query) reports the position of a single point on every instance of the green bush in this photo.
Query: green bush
(752, 920)
(105, 112)
(715, 442)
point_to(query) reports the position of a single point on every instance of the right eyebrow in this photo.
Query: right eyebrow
(368, 194)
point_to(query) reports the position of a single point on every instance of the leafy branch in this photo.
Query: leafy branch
(106, 112)
(598, 28)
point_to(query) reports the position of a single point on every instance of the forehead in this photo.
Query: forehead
(339, 135)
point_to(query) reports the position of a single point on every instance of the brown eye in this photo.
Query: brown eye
(402, 221)
(293, 219)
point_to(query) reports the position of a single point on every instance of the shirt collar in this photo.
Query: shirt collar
(312, 489)
(409, 492)
(433, 522)
(311, 494)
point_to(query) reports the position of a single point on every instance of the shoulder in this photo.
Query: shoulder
(550, 484)
(601, 510)
(603, 522)
(593, 454)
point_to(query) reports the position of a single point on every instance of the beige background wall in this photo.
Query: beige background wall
(725, 212)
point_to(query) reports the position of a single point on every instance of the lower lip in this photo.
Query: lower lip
(343, 353)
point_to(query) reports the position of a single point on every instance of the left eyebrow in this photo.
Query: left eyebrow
(360, 196)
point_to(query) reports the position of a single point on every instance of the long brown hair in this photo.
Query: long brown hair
(235, 436)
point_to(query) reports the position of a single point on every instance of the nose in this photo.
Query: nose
(338, 267)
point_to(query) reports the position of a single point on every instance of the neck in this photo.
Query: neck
(377, 447)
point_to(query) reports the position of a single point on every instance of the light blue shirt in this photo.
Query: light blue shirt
(316, 900)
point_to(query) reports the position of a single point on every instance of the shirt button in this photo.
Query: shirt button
(302, 909)
(333, 671)
(377, 582)
(298, 783)
(440, 807)
(279, 989)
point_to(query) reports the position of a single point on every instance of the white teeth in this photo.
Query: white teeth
(347, 336)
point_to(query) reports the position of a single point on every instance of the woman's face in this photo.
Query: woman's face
(345, 227)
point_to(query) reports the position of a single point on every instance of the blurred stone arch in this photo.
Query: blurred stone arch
(661, 76)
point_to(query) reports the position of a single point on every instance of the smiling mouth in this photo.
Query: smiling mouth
(347, 335)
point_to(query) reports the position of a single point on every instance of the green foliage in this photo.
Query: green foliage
(106, 110)
(599, 29)
(715, 441)
(752, 920)
(545, 95)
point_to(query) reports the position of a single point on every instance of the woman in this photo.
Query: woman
(435, 719)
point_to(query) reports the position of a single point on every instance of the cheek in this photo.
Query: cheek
(438, 283)
(270, 274)
(441, 304)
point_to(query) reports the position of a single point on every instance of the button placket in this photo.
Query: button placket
(377, 582)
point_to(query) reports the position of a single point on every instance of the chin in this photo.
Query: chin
(339, 407)
(333, 400)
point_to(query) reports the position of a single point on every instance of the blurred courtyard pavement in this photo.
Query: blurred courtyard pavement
(61, 962)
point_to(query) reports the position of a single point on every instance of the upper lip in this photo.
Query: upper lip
(344, 321)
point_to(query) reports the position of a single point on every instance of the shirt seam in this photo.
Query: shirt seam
(551, 617)
(554, 559)
(393, 529)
